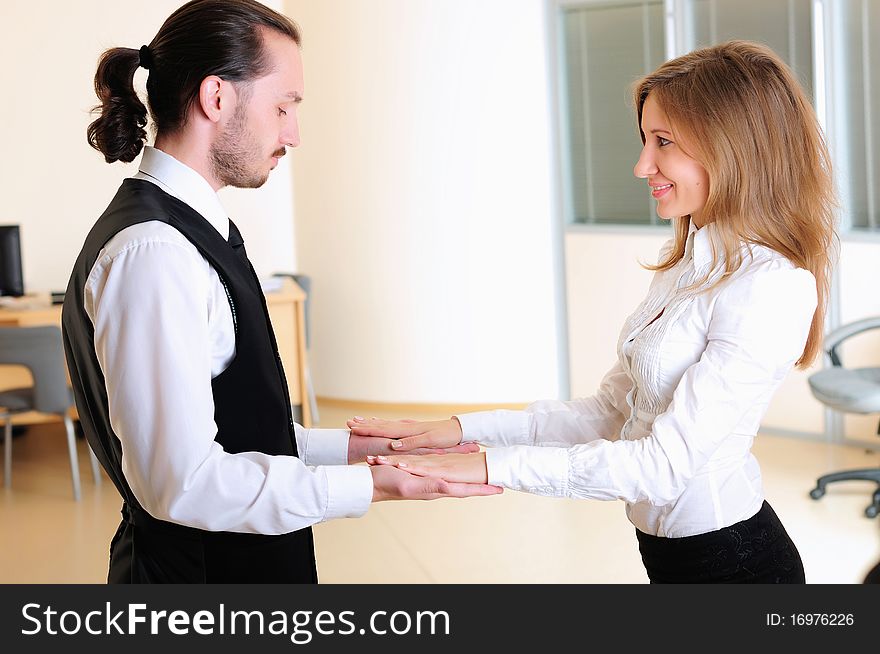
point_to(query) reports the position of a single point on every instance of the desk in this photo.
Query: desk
(286, 311)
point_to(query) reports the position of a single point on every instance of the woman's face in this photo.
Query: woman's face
(678, 183)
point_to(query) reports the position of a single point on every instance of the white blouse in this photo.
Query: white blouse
(671, 427)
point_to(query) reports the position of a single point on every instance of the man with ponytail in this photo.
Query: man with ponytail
(172, 358)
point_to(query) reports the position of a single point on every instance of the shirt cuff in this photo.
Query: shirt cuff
(500, 427)
(349, 491)
(323, 447)
(539, 470)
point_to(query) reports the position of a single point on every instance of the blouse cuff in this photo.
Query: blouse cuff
(500, 427)
(538, 470)
(349, 491)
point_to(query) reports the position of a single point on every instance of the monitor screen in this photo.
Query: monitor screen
(11, 281)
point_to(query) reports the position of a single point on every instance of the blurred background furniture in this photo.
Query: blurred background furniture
(848, 390)
(11, 279)
(39, 349)
(308, 396)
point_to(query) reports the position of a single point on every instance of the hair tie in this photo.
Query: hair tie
(145, 57)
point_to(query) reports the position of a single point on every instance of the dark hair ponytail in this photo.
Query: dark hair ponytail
(118, 133)
(201, 38)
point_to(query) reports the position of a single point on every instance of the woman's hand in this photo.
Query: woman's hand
(466, 468)
(360, 447)
(411, 435)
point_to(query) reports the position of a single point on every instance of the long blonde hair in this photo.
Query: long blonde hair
(745, 118)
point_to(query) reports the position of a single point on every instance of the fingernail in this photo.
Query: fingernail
(371, 458)
(382, 458)
(358, 418)
(396, 444)
(402, 465)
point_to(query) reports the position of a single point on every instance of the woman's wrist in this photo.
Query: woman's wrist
(457, 425)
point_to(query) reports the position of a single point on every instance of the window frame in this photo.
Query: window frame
(826, 34)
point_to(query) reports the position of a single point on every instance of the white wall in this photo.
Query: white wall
(604, 284)
(423, 199)
(54, 184)
(860, 298)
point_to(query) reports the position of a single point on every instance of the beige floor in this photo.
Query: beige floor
(46, 537)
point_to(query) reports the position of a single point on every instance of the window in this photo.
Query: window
(606, 48)
(856, 27)
(605, 45)
(784, 26)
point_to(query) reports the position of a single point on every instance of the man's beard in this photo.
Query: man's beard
(234, 155)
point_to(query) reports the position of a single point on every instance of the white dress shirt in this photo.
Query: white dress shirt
(163, 331)
(671, 427)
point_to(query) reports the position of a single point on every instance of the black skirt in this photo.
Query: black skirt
(754, 551)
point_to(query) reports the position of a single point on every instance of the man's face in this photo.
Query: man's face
(264, 122)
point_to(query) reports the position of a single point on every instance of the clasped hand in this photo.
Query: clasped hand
(433, 448)
(465, 468)
(377, 436)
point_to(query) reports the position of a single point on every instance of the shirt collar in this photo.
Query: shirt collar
(185, 184)
(701, 241)
(700, 244)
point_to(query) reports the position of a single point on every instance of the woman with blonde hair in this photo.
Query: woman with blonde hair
(734, 156)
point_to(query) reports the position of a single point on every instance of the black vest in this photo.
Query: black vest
(251, 409)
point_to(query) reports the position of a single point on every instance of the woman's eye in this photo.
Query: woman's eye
(281, 112)
(663, 141)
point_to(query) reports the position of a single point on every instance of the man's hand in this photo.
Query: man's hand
(464, 468)
(411, 436)
(392, 483)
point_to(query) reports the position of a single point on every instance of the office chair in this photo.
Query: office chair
(849, 390)
(40, 350)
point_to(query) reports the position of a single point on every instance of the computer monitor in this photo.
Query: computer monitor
(11, 281)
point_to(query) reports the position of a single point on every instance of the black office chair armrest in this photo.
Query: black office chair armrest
(842, 333)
